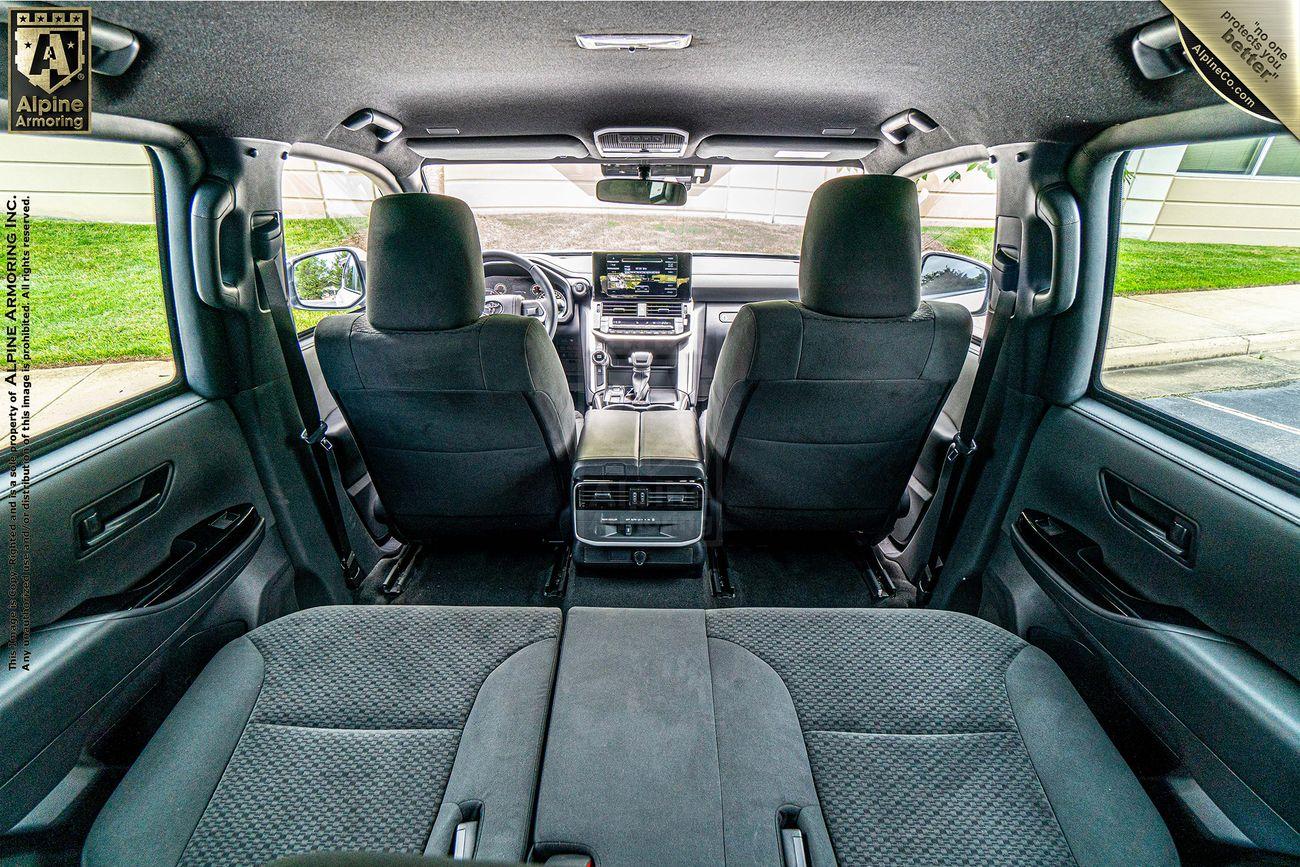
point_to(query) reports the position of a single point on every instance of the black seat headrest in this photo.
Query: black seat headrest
(861, 253)
(424, 268)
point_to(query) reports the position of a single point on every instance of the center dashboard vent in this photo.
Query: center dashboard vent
(619, 308)
(664, 308)
(643, 142)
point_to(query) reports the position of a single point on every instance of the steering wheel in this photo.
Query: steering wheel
(539, 308)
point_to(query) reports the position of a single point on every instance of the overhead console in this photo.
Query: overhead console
(641, 347)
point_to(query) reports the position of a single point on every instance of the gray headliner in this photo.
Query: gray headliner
(989, 73)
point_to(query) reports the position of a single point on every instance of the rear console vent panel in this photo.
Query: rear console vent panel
(646, 496)
(656, 142)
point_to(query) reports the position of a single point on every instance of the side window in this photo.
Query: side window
(1205, 312)
(958, 213)
(326, 205)
(84, 212)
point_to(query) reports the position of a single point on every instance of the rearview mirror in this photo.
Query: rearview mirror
(331, 279)
(958, 279)
(634, 191)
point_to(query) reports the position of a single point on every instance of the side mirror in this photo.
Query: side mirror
(634, 191)
(333, 279)
(958, 279)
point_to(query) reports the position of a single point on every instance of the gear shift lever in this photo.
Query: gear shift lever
(641, 362)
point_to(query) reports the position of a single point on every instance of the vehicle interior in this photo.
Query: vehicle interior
(574, 434)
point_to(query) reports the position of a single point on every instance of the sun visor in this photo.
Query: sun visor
(523, 148)
(814, 149)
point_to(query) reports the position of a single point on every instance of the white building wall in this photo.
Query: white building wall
(970, 200)
(771, 194)
(75, 178)
(82, 179)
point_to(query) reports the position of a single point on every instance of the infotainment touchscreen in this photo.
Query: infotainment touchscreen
(625, 276)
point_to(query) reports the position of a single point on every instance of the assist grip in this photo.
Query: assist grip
(213, 201)
(1058, 209)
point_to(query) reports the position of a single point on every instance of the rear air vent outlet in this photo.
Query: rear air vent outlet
(639, 496)
(602, 497)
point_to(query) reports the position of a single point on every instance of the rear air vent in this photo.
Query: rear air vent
(619, 308)
(654, 142)
(663, 309)
(602, 497)
(639, 496)
(673, 499)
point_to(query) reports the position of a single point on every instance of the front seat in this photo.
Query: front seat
(819, 409)
(464, 421)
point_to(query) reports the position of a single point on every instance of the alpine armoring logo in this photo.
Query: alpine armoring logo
(1237, 39)
(49, 70)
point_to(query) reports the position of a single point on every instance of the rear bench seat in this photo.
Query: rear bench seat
(675, 737)
(345, 728)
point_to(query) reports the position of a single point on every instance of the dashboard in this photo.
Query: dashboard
(508, 284)
(701, 293)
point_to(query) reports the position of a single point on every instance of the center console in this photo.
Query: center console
(642, 347)
(639, 489)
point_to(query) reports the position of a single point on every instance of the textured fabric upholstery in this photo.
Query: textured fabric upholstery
(899, 738)
(861, 250)
(932, 737)
(347, 741)
(465, 422)
(819, 409)
(425, 268)
(815, 422)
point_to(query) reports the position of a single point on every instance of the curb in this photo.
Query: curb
(1200, 349)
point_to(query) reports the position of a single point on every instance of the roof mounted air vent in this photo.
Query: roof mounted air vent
(649, 142)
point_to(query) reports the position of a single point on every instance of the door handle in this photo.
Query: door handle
(1172, 532)
(95, 531)
(115, 513)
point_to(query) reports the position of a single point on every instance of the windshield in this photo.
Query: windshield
(553, 208)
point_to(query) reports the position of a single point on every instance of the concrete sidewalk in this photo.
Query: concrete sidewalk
(63, 394)
(1174, 327)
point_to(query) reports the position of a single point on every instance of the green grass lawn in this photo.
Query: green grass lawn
(963, 240)
(1161, 266)
(1158, 266)
(97, 294)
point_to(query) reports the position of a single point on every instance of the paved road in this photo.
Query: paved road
(1266, 419)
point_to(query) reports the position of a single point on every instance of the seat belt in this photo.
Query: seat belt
(955, 474)
(321, 465)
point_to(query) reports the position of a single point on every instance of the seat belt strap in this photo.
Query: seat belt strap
(955, 474)
(321, 468)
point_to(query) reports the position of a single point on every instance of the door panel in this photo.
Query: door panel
(104, 615)
(210, 469)
(1201, 644)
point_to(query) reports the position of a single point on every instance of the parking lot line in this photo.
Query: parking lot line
(1240, 414)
